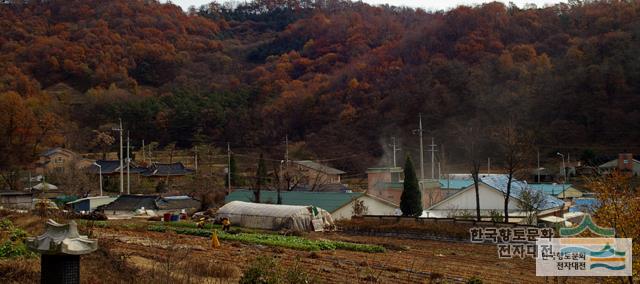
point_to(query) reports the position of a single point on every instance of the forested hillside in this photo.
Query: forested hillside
(341, 76)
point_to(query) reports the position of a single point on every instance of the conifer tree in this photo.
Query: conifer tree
(411, 198)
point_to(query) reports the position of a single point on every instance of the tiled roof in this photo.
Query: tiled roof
(319, 167)
(174, 169)
(329, 201)
(131, 203)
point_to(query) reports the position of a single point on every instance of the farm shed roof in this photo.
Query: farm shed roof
(455, 183)
(329, 201)
(319, 167)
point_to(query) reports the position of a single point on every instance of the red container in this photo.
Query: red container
(167, 217)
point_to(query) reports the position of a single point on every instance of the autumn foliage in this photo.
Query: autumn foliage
(340, 75)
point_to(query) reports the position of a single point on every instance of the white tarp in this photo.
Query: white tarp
(272, 216)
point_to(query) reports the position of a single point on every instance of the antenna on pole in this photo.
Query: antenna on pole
(395, 149)
(420, 131)
(121, 157)
(228, 168)
(432, 150)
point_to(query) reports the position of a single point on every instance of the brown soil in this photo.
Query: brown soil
(146, 257)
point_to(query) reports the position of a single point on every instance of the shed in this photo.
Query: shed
(274, 217)
(89, 204)
(16, 200)
(372, 205)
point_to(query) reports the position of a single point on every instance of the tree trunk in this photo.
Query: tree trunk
(506, 198)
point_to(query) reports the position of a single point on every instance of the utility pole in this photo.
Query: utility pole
(286, 150)
(395, 149)
(489, 165)
(432, 150)
(564, 173)
(195, 160)
(228, 168)
(538, 170)
(143, 158)
(419, 131)
(121, 158)
(128, 167)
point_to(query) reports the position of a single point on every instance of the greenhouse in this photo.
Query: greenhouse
(276, 217)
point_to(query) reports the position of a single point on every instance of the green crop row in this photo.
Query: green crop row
(292, 242)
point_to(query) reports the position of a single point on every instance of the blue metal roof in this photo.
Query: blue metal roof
(550, 188)
(500, 182)
(586, 205)
(455, 183)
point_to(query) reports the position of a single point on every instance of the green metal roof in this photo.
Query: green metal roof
(329, 201)
(385, 169)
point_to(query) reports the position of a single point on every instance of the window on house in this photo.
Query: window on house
(59, 160)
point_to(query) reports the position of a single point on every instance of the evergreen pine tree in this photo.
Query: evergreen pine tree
(235, 179)
(411, 198)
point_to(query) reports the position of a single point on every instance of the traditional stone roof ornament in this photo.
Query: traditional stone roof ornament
(62, 239)
(61, 246)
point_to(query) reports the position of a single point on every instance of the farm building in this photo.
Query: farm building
(275, 217)
(316, 173)
(89, 204)
(624, 163)
(558, 190)
(59, 160)
(492, 189)
(16, 200)
(387, 184)
(339, 204)
(127, 206)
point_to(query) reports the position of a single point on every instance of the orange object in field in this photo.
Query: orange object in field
(215, 243)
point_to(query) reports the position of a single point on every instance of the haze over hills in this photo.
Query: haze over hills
(342, 77)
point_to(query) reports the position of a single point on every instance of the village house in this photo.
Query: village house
(387, 183)
(89, 204)
(16, 200)
(492, 190)
(316, 173)
(172, 170)
(624, 163)
(129, 206)
(558, 190)
(340, 205)
(58, 160)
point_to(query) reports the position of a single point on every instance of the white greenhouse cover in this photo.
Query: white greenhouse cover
(272, 216)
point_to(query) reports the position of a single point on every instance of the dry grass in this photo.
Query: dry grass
(20, 270)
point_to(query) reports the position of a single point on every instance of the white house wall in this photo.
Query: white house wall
(374, 207)
(490, 199)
